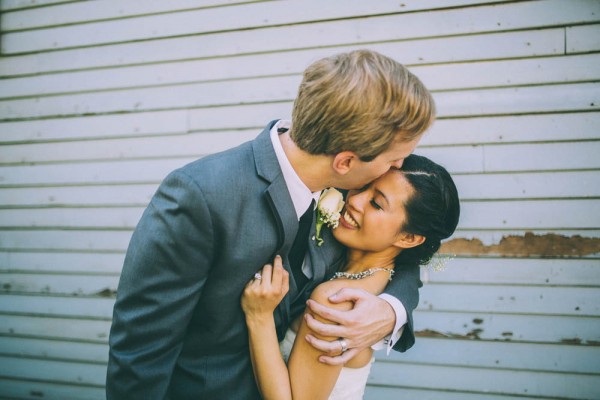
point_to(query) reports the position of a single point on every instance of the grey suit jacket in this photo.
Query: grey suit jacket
(178, 330)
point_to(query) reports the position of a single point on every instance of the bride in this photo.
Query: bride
(395, 222)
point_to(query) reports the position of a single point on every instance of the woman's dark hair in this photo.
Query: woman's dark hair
(432, 211)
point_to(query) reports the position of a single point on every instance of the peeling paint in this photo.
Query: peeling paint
(548, 245)
(106, 293)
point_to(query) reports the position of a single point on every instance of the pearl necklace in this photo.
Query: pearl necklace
(362, 274)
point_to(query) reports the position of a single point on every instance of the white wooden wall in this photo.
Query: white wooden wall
(99, 100)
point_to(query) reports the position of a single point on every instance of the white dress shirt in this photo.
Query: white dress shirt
(301, 198)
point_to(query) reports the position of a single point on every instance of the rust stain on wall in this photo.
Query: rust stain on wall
(548, 245)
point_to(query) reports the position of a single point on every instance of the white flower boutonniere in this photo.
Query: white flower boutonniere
(329, 206)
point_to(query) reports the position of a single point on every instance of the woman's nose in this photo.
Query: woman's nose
(358, 199)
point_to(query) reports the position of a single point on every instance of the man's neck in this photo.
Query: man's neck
(312, 170)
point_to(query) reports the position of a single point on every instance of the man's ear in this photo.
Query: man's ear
(409, 240)
(343, 162)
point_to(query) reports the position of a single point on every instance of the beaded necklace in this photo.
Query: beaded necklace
(362, 274)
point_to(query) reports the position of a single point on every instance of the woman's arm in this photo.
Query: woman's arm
(260, 298)
(307, 377)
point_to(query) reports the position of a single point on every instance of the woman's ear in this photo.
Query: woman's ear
(409, 240)
(343, 162)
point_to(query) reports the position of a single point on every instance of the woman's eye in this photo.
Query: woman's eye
(375, 205)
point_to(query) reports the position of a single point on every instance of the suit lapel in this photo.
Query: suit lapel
(327, 258)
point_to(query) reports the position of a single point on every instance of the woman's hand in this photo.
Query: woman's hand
(263, 293)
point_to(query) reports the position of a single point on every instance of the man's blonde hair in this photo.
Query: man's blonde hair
(359, 101)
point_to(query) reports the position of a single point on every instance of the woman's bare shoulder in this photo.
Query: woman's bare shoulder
(322, 292)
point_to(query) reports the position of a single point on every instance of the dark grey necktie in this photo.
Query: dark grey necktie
(298, 250)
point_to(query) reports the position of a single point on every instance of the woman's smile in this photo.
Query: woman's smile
(347, 221)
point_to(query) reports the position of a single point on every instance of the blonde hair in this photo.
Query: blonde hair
(359, 101)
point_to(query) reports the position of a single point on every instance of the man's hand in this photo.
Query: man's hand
(369, 321)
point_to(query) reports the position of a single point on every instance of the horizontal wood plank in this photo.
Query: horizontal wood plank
(94, 331)
(53, 349)
(62, 284)
(516, 271)
(509, 327)
(73, 262)
(491, 18)
(102, 195)
(65, 240)
(87, 11)
(583, 38)
(385, 392)
(488, 381)
(481, 74)
(53, 371)
(25, 389)
(530, 214)
(510, 299)
(545, 185)
(58, 306)
(138, 61)
(196, 144)
(499, 354)
(7, 5)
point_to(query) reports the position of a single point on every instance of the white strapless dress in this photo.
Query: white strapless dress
(350, 384)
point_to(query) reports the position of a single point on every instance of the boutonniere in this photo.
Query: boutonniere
(329, 206)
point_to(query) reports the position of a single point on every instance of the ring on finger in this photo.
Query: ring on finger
(257, 276)
(344, 345)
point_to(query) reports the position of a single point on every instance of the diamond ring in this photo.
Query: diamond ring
(257, 276)
(344, 345)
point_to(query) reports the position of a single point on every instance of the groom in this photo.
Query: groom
(178, 329)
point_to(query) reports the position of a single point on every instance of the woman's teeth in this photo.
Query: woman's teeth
(350, 220)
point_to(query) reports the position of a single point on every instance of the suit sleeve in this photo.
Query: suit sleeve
(165, 269)
(405, 287)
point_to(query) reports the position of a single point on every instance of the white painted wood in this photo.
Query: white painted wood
(62, 240)
(563, 184)
(519, 100)
(565, 97)
(384, 392)
(518, 271)
(57, 350)
(188, 145)
(510, 327)
(436, 77)
(54, 328)
(499, 354)
(257, 16)
(71, 262)
(493, 381)
(538, 214)
(516, 158)
(126, 195)
(88, 133)
(140, 171)
(25, 389)
(510, 299)
(6, 5)
(493, 237)
(568, 184)
(583, 38)
(63, 284)
(54, 371)
(86, 11)
(445, 49)
(89, 127)
(58, 306)
(513, 129)
(542, 214)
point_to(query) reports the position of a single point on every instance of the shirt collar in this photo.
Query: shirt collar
(299, 192)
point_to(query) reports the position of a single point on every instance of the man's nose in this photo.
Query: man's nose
(397, 164)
